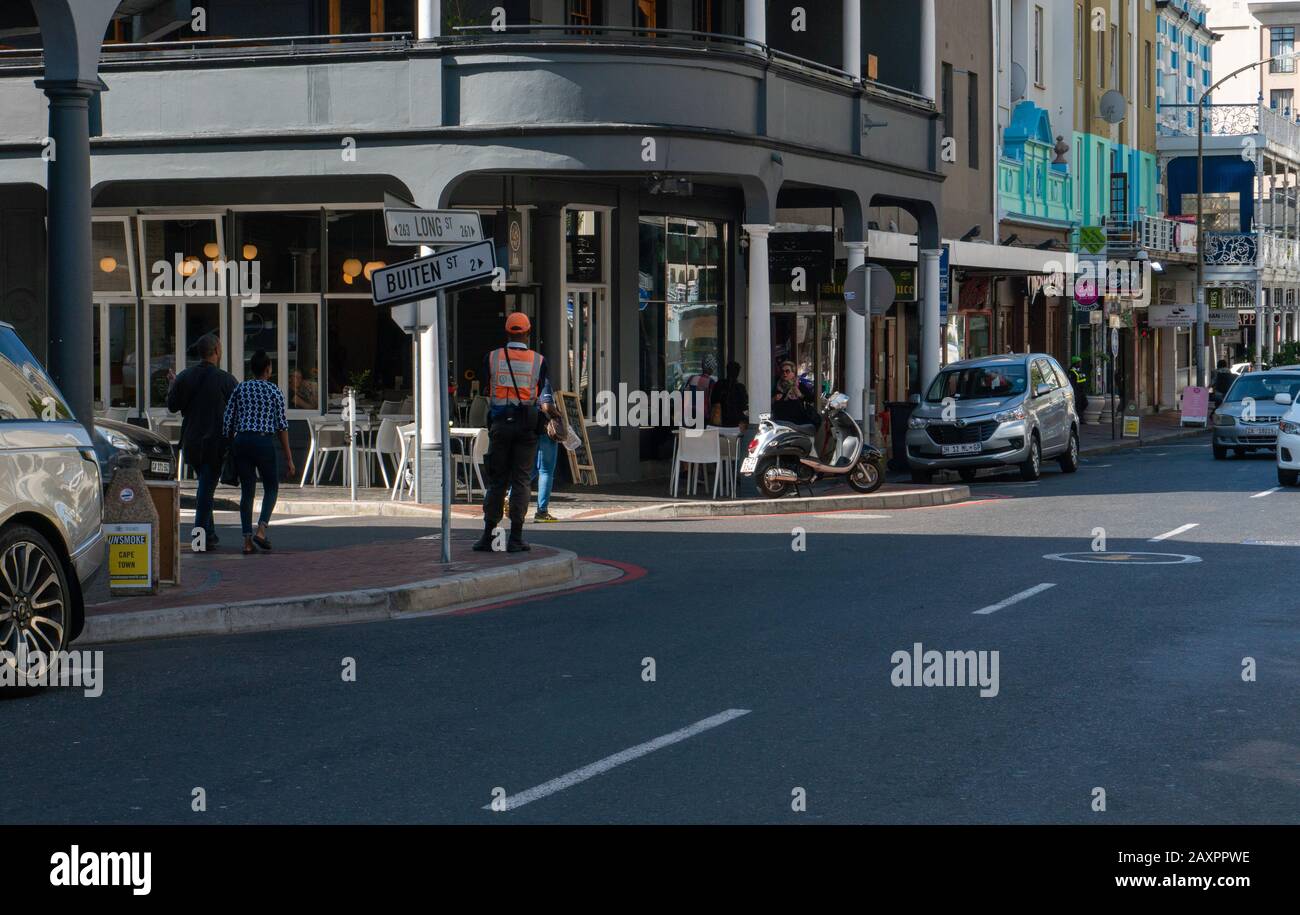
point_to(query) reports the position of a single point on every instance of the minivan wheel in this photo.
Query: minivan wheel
(1220, 453)
(1032, 469)
(35, 600)
(1070, 460)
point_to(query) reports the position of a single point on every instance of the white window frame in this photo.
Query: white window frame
(105, 300)
(1038, 47)
(178, 346)
(282, 303)
(602, 373)
(146, 270)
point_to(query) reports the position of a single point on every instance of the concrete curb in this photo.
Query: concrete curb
(331, 609)
(916, 497)
(1129, 444)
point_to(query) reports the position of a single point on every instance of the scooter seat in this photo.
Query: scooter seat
(800, 427)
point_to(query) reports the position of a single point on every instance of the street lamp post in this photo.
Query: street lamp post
(1202, 312)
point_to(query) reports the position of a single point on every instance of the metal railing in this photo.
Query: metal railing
(1223, 249)
(1156, 233)
(1238, 120)
(229, 48)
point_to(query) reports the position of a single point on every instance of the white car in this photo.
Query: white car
(1288, 443)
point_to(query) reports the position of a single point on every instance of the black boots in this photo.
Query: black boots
(514, 545)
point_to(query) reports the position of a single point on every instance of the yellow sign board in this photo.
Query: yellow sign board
(130, 555)
(1132, 426)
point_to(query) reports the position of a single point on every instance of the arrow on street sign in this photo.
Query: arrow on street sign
(431, 227)
(417, 279)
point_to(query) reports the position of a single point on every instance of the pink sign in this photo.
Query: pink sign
(1196, 405)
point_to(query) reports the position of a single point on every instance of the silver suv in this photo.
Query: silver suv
(1014, 410)
(51, 507)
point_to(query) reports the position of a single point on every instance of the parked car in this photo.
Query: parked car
(1248, 417)
(1015, 410)
(114, 439)
(51, 507)
(1288, 441)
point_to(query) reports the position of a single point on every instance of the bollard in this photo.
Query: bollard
(131, 531)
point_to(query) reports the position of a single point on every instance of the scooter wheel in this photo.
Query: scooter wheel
(768, 489)
(866, 477)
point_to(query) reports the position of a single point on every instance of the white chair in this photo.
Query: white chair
(388, 443)
(408, 407)
(698, 449)
(472, 460)
(478, 413)
(389, 407)
(328, 438)
(405, 460)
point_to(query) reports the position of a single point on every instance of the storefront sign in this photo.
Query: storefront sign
(811, 252)
(1224, 319)
(432, 227)
(1171, 315)
(1196, 405)
(1092, 239)
(130, 555)
(945, 283)
(418, 279)
(510, 236)
(904, 283)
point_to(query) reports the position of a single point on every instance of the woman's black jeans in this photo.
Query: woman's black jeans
(254, 457)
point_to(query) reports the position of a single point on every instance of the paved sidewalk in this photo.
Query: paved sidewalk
(1156, 428)
(225, 591)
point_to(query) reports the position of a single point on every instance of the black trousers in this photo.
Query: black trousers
(512, 454)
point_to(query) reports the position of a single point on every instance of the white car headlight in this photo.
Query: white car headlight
(917, 422)
(120, 442)
(1225, 419)
(1286, 427)
(1010, 416)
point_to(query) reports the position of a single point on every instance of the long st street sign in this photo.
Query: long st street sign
(418, 279)
(432, 227)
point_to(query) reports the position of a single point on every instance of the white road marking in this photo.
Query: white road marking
(307, 519)
(1174, 533)
(1015, 598)
(1267, 492)
(577, 776)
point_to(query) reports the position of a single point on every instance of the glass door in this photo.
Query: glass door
(586, 363)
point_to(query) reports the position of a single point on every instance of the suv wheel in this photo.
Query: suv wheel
(1220, 453)
(1032, 469)
(1070, 459)
(35, 600)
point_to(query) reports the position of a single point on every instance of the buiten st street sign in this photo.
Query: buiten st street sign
(432, 227)
(418, 279)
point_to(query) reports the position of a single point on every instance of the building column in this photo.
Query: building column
(929, 56)
(929, 315)
(428, 19)
(1257, 351)
(759, 322)
(756, 21)
(852, 63)
(68, 262)
(856, 376)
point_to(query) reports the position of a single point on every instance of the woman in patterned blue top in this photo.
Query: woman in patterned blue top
(255, 418)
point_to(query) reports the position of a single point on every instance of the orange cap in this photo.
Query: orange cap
(518, 323)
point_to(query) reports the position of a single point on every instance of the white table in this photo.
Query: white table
(333, 423)
(729, 439)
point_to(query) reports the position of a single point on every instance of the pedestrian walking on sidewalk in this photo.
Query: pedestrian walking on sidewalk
(200, 394)
(516, 377)
(255, 417)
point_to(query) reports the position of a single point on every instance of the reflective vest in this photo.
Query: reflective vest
(527, 368)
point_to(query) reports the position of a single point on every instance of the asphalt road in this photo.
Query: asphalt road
(1115, 674)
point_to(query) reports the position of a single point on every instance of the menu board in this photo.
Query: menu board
(580, 460)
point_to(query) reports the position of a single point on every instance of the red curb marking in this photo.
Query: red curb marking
(630, 573)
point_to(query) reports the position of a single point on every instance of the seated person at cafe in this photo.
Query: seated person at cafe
(303, 394)
(790, 403)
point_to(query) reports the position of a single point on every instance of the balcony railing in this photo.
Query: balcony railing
(1280, 253)
(1169, 236)
(229, 48)
(1228, 249)
(1232, 121)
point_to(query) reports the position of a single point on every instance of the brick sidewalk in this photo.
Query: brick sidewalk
(1156, 427)
(227, 576)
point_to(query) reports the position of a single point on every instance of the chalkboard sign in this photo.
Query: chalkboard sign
(580, 461)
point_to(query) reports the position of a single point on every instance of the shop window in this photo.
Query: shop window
(194, 242)
(302, 355)
(261, 332)
(111, 256)
(170, 351)
(682, 289)
(367, 351)
(284, 247)
(357, 247)
(584, 246)
(115, 363)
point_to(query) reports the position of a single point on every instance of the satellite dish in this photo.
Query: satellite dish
(1019, 82)
(1112, 107)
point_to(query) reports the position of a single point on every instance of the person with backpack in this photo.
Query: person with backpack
(200, 394)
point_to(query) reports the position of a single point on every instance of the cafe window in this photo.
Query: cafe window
(179, 255)
(281, 250)
(682, 290)
(365, 350)
(111, 262)
(115, 363)
(173, 329)
(289, 332)
(584, 246)
(358, 246)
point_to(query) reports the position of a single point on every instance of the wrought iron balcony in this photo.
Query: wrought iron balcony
(1242, 120)
(1228, 249)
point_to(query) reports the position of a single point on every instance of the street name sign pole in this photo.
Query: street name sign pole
(419, 279)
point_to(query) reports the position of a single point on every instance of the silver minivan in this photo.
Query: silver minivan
(51, 506)
(996, 411)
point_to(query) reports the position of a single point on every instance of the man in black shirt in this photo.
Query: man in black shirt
(1223, 379)
(199, 394)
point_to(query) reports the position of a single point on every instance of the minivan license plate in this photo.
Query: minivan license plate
(970, 448)
(160, 467)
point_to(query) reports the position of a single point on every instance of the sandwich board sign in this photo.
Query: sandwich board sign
(422, 277)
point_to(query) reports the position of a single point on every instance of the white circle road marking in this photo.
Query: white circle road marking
(1126, 558)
